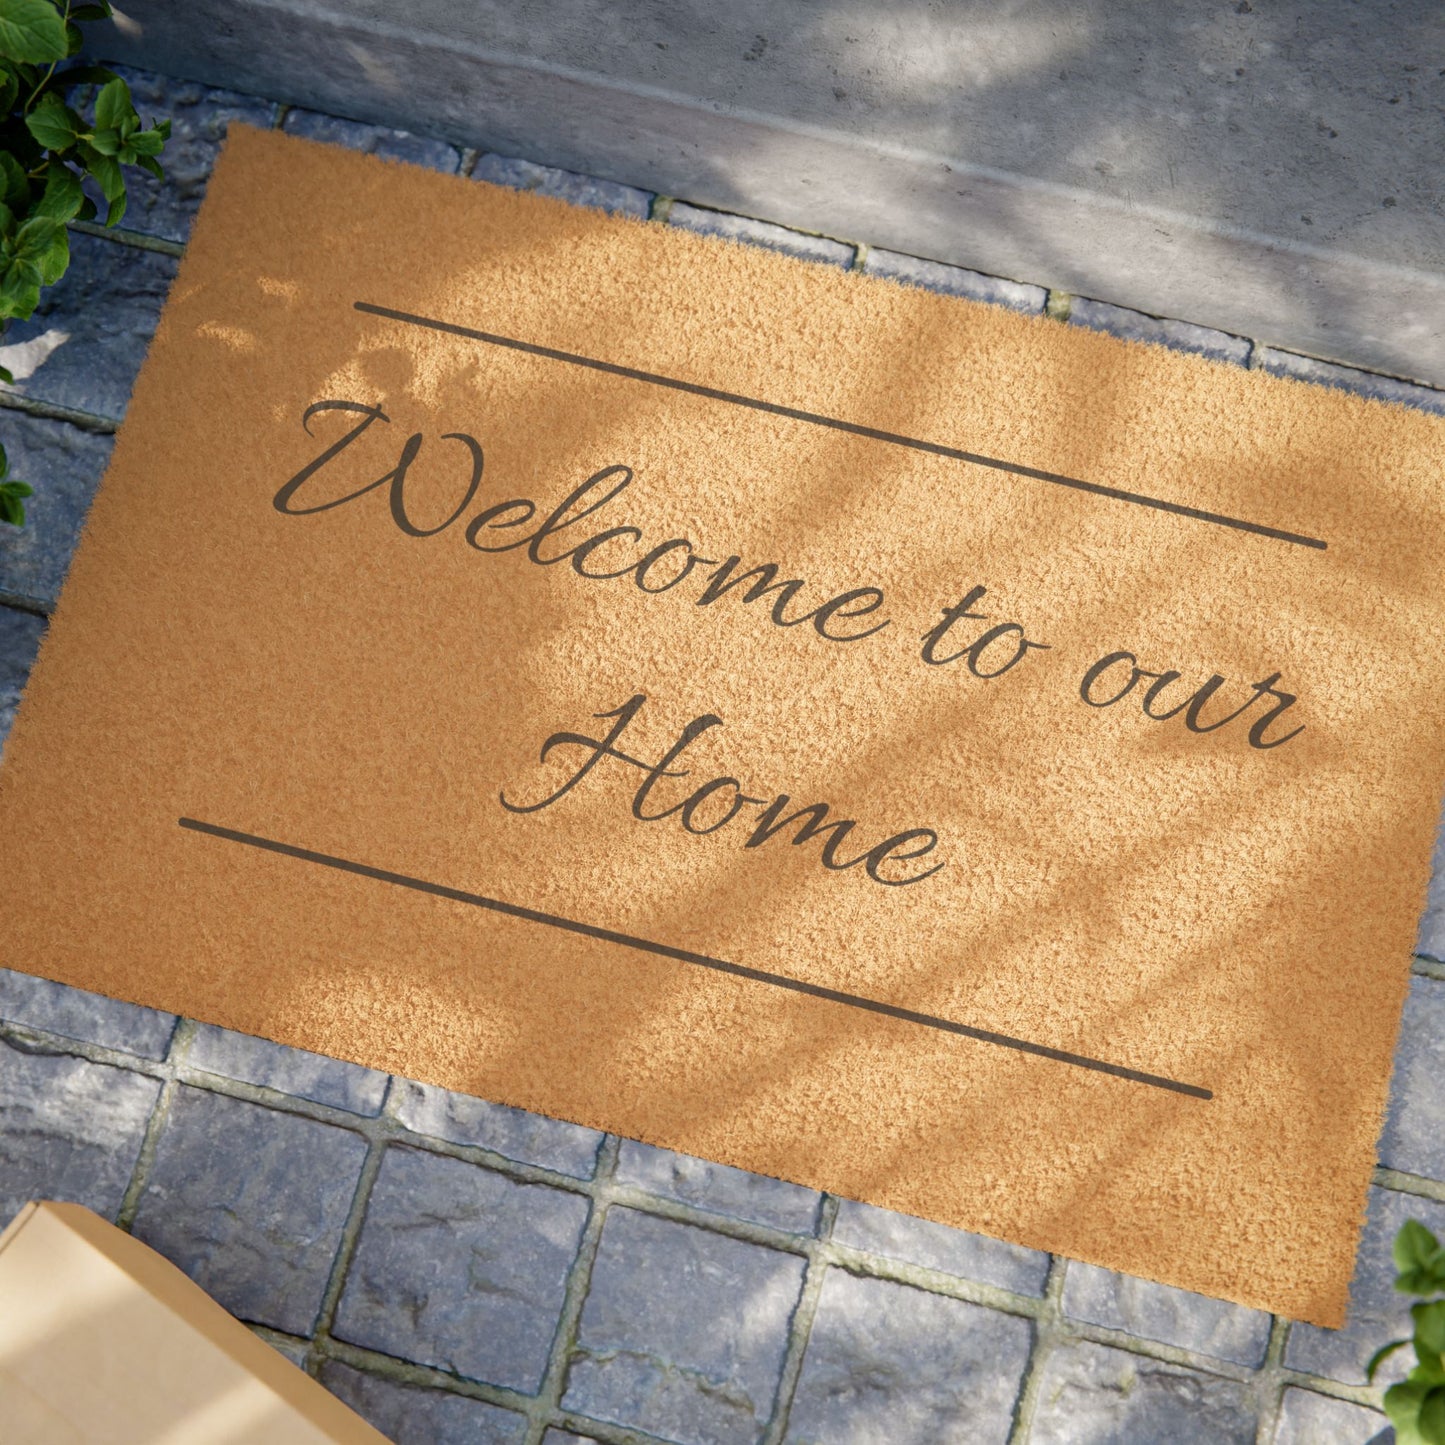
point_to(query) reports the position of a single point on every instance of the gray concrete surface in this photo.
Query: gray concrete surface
(1265, 169)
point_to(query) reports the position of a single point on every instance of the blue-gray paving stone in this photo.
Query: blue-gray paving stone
(683, 1332)
(718, 1187)
(936, 1246)
(63, 463)
(250, 1202)
(20, 634)
(761, 233)
(69, 1129)
(580, 190)
(1377, 1313)
(377, 140)
(1178, 335)
(514, 1133)
(1171, 1316)
(954, 280)
(416, 1415)
(85, 343)
(1347, 378)
(1306, 1418)
(290, 1071)
(461, 1268)
(92, 1018)
(887, 1362)
(1093, 1395)
(1414, 1134)
(199, 117)
(564, 1437)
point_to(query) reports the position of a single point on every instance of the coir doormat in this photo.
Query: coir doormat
(944, 757)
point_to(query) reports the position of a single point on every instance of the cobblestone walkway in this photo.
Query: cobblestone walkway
(463, 1272)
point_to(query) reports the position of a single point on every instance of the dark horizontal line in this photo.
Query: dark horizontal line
(702, 960)
(853, 428)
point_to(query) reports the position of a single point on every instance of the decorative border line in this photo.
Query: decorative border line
(1097, 489)
(702, 960)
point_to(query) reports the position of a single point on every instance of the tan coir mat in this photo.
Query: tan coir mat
(944, 757)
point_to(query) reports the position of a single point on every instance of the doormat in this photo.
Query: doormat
(965, 763)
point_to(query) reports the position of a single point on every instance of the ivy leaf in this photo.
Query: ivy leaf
(32, 30)
(112, 105)
(63, 196)
(52, 122)
(14, 186)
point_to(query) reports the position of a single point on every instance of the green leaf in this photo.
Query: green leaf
(52, 122)
(151, 164)
(115, 210)
(12, 510)
(1432, 1417)
(12, 488)
(91, 12)
(74, 39)
(20, 289)
(113, 105)
(1430, 1326)
(1414, 1245)
(7, 222)
(35, 237)
(1380, 1356)
(4, 460)
(87, 210)
(1402, 1405)
(9, 90)
(63, 196)
(14, 187)
(55, 260)
(147, 142)
(107, 142)
(31, 30)
(106, 172)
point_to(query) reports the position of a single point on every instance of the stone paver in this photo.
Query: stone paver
(887, 1362)
(1093, 1395)
(90, 1017)
(684, 1331)
(522, 175)
(199, 117)
(250, 1203)
(1171, 1316)
(953, 280)
(936, 1246)
(290, 1071)
(413, 1415)
(64, 465)
(85, 343)
(1414, 1134)
(1431, 939)
(69, 1129)
(461, 1268)
(1378, 1313)
(1346, 378)
(1178, 335)
(376, 140)
(761, 233)
(513, 1133)
(20, 634)
(718, 1187)
(1306, 1418)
